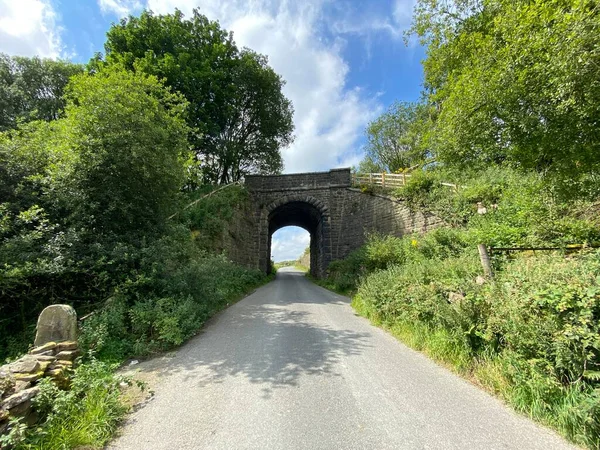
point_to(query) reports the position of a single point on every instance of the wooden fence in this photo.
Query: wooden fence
(387, 180)
(391, 180)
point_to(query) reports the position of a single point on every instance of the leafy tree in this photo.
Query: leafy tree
(239, 116)
(515, 81)
(32, 88)
(396, 139)
(82, 194)
(126, 137)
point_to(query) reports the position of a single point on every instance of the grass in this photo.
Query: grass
(571, 410)
(88, 415)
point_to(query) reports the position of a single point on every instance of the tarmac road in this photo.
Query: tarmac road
(292, 367)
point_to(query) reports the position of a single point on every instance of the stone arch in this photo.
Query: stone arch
(303, 211)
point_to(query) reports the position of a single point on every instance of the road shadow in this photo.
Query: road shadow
(270, 338)
(267, 344)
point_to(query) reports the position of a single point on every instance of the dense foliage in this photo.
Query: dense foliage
(511, 93)
(83, 192)
(515, 81)
(92, 215)
(32, 89)
(530, 334)
(102, 205)
(239, 117)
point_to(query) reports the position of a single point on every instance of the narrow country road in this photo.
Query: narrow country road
(292, 367)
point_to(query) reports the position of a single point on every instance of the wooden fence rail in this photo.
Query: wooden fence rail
(391, 180)
(387, 180)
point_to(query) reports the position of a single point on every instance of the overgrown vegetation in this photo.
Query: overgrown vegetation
(102, 207)
(531, 334)
(509, 115)
(86, 415)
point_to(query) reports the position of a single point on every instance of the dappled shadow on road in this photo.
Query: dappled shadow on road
(287, 330)
(269, 345)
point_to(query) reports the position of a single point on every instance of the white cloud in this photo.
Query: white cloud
(289, 243)
(329, 117)
(403, 12)
(29, 28)
(394, 22)
(121, 8)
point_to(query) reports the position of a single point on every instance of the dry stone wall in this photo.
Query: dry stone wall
(52, 357)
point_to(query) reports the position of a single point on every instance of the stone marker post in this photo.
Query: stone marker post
(57, 323)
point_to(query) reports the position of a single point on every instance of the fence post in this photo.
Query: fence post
(383, 179)
(485, 261)
(403, 179)
(370, 178)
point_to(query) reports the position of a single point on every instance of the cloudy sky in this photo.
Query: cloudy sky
(343, 61)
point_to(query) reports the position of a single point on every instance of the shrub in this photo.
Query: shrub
(176, 289)
(531, 335)
(547, 311)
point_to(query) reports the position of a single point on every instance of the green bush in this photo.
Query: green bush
(547, 311)
(176, 288)
(523, 208)
(531, 335)
(381, 252)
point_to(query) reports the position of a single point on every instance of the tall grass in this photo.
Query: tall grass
(531, 335)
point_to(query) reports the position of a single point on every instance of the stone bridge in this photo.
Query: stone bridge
(337, 216)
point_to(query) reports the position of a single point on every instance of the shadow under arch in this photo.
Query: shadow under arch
(305, 212)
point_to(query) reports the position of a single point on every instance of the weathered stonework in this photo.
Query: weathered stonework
(337, 216)
(49, 359)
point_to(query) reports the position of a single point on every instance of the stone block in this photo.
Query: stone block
(57, 323)
(7, 383)
(22, 409)
(29, 376)
(46, 349)
(42, 358)
(44, 365)
(26, 364)
(19, 398)
(21, 385)
(66, 346)
(67, 355)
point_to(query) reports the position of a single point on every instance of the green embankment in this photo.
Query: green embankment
(530, 335)
(176, 283)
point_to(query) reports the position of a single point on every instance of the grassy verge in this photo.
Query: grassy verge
(89, 413)
(530, 336)
(571, 409)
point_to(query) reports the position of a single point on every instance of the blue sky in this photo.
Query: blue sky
(344, 62)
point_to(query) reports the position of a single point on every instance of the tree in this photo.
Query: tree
(239, 116)
(514, 81)
(82, 196)
(32, 88)
(396, 139)
(125, 138)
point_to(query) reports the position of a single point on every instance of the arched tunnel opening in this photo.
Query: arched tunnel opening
(306, 216)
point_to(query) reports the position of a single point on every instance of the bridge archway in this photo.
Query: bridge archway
(305, 212)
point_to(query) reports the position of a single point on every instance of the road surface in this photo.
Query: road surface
(292, 367)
